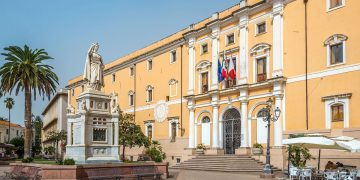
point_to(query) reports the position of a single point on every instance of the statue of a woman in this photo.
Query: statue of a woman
(94, 68)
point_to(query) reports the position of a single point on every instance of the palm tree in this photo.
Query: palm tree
(9, 103)
(24, 70)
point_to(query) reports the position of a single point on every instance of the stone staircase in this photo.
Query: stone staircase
(223, 163)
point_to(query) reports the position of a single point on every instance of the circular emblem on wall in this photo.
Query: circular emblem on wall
(160, 111)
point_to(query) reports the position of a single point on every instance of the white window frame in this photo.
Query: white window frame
(146, 129)
(257, 28)
(172, 57)
(227, 39)
(173, 86)
(172, 120)
(328, 116)
(267, 59)
(148, 88)
(328, 9)
(328, 51)
(202, 48)
(148, 64)
(200, 80)
(131, 95)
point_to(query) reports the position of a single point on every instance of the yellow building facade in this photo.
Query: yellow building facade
(301, 54)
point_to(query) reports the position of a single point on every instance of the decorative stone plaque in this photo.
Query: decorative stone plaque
(160, 111)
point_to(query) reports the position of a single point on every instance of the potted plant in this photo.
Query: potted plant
(257, 149)
(200, 148)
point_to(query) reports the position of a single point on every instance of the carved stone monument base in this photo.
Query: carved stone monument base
(93, 130)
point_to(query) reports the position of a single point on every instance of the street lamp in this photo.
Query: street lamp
(268, 117)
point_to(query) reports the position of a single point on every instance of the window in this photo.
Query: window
(149, 64)
(173, 128)
(261, 69)
(17, 132)
(72, 92)
(204, 48)
(228, 81)
(335, 3)
(82, 88)
(131, 71)
(7, 131)
(337, 112)
(335, 46)
(113, 77)
(261, 28)
(204, 82)
(131, 98)
(173, 87)
(99, 134)
(149, 131)
(149, 91)
(336, 53)
(99, 121)
(173, 56)
(173, 131)
(230, 39)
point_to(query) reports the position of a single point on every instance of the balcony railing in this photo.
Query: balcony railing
(261, 77)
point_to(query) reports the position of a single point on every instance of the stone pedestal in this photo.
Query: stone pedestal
(93, 130)
(214, 151)
(243, 151)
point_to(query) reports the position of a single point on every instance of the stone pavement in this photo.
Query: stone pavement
(3, 169)
(209, 175)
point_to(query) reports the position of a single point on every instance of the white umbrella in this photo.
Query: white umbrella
(315, 142)
(353, 145)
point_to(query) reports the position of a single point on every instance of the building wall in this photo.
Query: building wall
(15, 131)
(283, 44)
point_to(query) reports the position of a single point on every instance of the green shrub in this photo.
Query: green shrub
(49, 150)
(298, 155)
(69, 161)
(27, 160)
(154, 151)
(257, 145)
(59, 162)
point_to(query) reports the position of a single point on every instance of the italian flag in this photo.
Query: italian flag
(232, 73)
(223, 69)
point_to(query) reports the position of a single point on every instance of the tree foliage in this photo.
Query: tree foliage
(38, 125)
(18, 142)
(57, 137)
(130, 134)
(154, 151)
(24, 70)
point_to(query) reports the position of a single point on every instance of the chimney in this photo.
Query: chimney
(243, 3)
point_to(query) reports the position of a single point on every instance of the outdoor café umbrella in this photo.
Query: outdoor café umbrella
(315, 142)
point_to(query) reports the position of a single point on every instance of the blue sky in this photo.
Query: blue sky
(66, 28)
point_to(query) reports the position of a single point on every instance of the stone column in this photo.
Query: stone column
(215, 139)
(69, 134)
(244, 124)
(191, 66)
(191, 127)
(278, 125)
(215, 56)
(278, 34)
(243, 50)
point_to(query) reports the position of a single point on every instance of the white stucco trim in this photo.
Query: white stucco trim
(328, 103)
(325, 73)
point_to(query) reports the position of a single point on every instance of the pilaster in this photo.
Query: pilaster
(244, 114)
(191, 77)
(215, 33)
(278, 37)
(243, 25)
(215, 105)
(191, 123)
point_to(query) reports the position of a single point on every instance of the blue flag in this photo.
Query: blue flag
(220, 77)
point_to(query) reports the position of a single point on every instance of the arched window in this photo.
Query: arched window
(335, 46)
(149, 131)
(261, 55)
(337, 112)
(149, 93)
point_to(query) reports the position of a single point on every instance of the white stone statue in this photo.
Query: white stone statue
(94, 68)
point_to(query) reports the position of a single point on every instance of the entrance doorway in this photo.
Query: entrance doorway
(232, 127)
